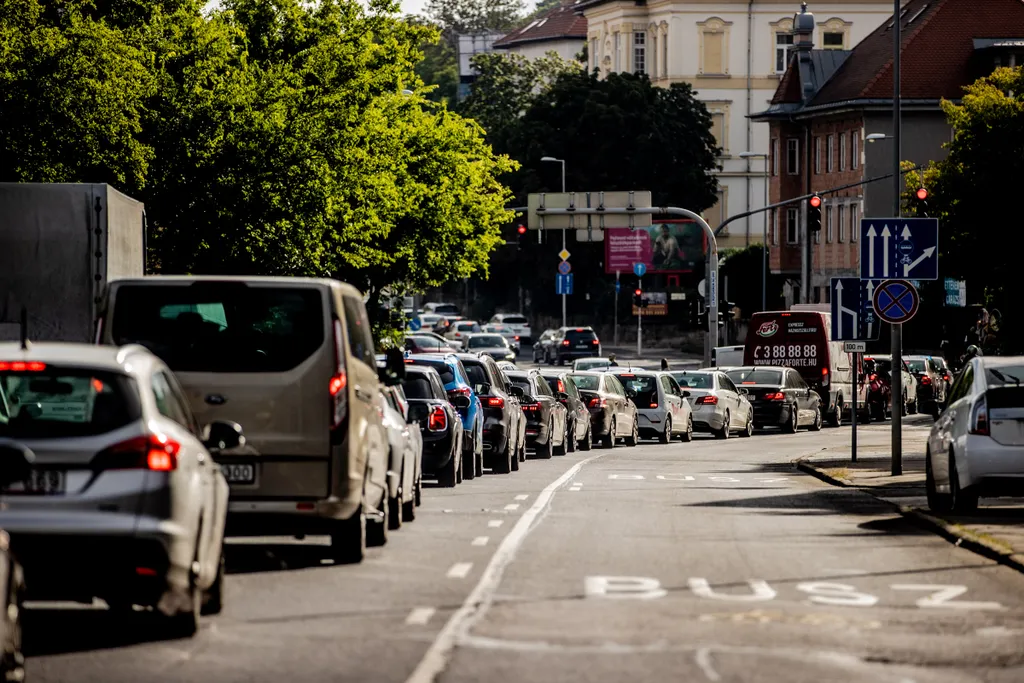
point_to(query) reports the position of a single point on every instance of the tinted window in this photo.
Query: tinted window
(916, 366)
(221, 327)
(167, 401)
(587, 382)
(646, 388)
(486, 342)
(417, 385)
(477, 373)
(580, 337)
(424, 344)
(357, 325)
(514, 320)
(60, 403)
(726, 383)
(523, 383)
(447, 375)
(962, 386)
(756, 376)
(570, 388)
(1003, 375)
(614, 386)
(447, 308)
(693, 380)
(542, 387)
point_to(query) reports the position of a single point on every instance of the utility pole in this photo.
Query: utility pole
(897, 186)
(618, 286)
(639, 318)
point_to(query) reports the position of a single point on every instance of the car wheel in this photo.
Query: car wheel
(395, 511)
(816, 425)
(937, 502)
(548, 449)
(516, 454)
(666, 435)
(634, 437)
(348, 539)
(213, 597)
(748, 430)
(449, 476)
(687, 436)
(409, 510)
(377, 529)
(505, 465)
(587, 443)
(725, 431)
(469, 464)
(185, 624)
(835, 417)
(564, 448)
(794, 421)
(912, 408)
(419, 490)
(608, 441)
(963, 500)
(570, 437)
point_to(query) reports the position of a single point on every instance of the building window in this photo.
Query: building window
(714, 47)
(841, 220)
(773, 226)
(829, 225)
(833, 33)
(594, 60)
(792, 227)
(855, 149)
(832, 41)
(664, 53)
(639, 52)
(783, 44)
(854, 221)
(616, 54)
(817, 155)
(718, 130)
(792, 156)
(775, 156)
(654, 54)
(842, 152)
(830, 153)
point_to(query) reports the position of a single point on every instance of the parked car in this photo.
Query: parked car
(508, 332)
(718, 405)
(591, 364)
(931, 384)
(441, 308)
(406, 448)
(457, 383)
(440, 423)
(506, 366)
(613, 415)
(542, 347)
(270, 353)
(422, 343)
(12, 577)
(577, 422)
(504, 424)
(571, 343)
(947, 373)
(519, 324)
(909, 403)
(663, 412)
(108, 472)
(780, 398)
(545, 415)
(493, 345)
(976, 446)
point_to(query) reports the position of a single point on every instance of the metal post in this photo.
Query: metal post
(897, 186)
(617, 287)
(639, 318)
(564, 323)
(764, 255)
(853, 410)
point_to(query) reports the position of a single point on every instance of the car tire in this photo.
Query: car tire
(748, 430)
(564, 448)
(794, 422)
(213, 597)
(687, 436)
(377, 529)
(608, 440)
(570, 437)
(516, 454)
(348, 539)
(666, 434)
(419, 490)
(912, 407)
(395, 512)
(469, 464)
(964, 501)
(588, 442)
(547, 450)
(409, 510)
(185, 624)
(725, 431)
(634, 437)
(816, 425)
(449, 476)
(937, 502)
(904, 410)
(835, 417)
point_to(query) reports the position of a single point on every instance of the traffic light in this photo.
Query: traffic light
(920, 202)
(638, 298)
(814, 214)
(521, 230)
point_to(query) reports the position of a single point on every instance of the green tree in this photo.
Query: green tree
(474, 16)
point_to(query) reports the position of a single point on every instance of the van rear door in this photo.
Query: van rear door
(797, 339)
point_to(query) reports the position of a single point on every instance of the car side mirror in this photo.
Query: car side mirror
(461, 402)
(393, 371)
(562, 396)
(686, 394)
(15, 462)
(516, 391)
(223, 435)
(482, 388)
(630, 393)
(744, 391)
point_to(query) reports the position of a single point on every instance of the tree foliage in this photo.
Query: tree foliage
(968, 188)
(474, 16)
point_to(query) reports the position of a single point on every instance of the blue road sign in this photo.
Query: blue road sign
(896, 301)
(899, 248)
(563, 284)
(415, 324)
(618, 286)
(564, 268)
(639, 269)
(853, 317)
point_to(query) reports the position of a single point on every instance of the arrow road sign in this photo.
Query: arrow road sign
(639, 269)
(899, 248)
(896, 301)
(853, 318)
(563, 284)
(564, 268)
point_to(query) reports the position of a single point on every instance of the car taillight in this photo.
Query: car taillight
(945, 377)
(777, 396)
(459, 391)
(338, 383)
(824, 377)
(495, 402)
(531, 407)
(21, 366)
(709, 400)
(597, 403)
(156, 452)
(565, 342)
(594, 341)
(872, 377)
(654, 405)
(517, 337)
(979, 418)
(560, 386)
(437, 421)
(925, 381)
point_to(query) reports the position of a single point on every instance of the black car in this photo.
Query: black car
(613, 414)
(542, 347)
(12, 578)
(439, 422)
(577, 426)
(504, 424)
(572, 343)
(780, 397)
(545, 415)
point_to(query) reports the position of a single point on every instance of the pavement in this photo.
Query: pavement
(996, 529)
(713, 561)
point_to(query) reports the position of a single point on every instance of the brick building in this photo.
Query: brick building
(828, 103)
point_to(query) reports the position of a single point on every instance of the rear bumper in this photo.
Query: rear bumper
(600, 423)
(651, 422)
(995, 469)
(772, 415)
(708, 419)
(437, 451)
(537, 433)
(495, 438)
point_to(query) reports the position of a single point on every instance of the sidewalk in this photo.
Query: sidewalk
(996, 530)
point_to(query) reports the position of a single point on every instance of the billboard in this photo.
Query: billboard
(657, 304)
(667, 246)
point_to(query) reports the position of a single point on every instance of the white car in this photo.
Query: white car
(110, 489)
(884, 362)
(718, 406)
(976, 446)
(405, 472)
(518, 322)
(591, 364)
(506, 331)
(441, 307)
(461, 329)
(663, 413)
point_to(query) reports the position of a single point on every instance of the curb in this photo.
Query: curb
(953, 533)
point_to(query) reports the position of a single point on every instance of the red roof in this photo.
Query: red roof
(936, 57)
(558, 24)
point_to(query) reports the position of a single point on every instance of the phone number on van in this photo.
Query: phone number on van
(794, 355)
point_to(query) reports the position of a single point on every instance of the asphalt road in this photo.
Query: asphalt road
(710, 561)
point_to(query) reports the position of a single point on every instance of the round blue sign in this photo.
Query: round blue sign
(906, 247)
(415, 324)
(564, 268)
(896, 301)
(639, 269)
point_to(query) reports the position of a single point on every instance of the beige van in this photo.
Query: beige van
(292, 361)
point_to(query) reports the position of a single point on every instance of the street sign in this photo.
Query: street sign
(415, 324)
(956, 292)
(701, 288)
(564, 268)
(855, 347)
(639, 269)
(618, 286)
(853, 315)
(896, 301)
(899, 248)
(563, 284)
(564, 255)
(638, 199)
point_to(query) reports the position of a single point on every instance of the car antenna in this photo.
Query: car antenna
(24, 329)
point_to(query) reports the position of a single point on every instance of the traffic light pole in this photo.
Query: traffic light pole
(897, 186)
(639, 319)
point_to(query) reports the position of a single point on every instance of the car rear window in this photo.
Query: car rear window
(447, 374)
(426, 343)
(1005, 375)
(555, 382)
(417, 386)
(221, 327)
(580, 336)
(514, 320)
(701, 380)
(587, 382)
(447, 309)
(916, 366)
(476, 371)
(488, 342)
(645, 386)
(756, 376)
(55, 403)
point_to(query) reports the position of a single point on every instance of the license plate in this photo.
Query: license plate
(583, 346)
(239, 473)
(41, 483)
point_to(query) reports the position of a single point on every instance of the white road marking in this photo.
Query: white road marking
(512, 506)
(731, 480)
(459, 570)
(522, 496)
(999, 631)
(480, 540)
(703, 659)
(840, 594)
(495, 523)
(575, 488)
(632, 477)
(436, 657)
(675, 477)
(769, 481)
(637, 587)
(419, 616)
(942, 596)
(761, 591)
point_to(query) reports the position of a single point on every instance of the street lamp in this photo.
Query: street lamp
(872, 137)
(562, 162)
(764, 254)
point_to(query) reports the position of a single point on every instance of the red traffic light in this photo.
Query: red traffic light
(922, 194)
(639, 292)
(815, 201)
(521, 229)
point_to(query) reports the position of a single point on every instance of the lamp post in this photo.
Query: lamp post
(764, 254)
(562, 162)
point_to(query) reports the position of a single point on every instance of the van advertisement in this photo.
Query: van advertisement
(792, 342)
(670, 246)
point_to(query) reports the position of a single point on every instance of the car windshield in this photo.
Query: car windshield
(417, 386)
(587, 382)
(57, 403)
(486, 342)
(580, 336)
(694, 380)
(592, 363)
(755, 376)
(645, 386)
(916, 365)
(1004, 375)
(447, 374)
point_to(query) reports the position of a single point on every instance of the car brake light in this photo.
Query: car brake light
(654, 405)
(626, 375)
(579, 329)
(531, 407)
(517, 337)
(338, 383)
(872, 377)
(925, 381)
(21, 366)
(824, 377)
(945, 377)
(559, 386)
(777, 396)
(709, 400)
(156, 452)
(979, 418)
(597, 403)
(565, 342)
(459, 391)
(749, 382)
(594, 341)
(438, 420)
(339, 380)
(496, 402)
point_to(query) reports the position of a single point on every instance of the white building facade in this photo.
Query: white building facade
(733, 53)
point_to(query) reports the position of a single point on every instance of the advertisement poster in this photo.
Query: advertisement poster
(657, 304)
(671, 246)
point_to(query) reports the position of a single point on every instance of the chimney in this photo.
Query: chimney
(803, 30)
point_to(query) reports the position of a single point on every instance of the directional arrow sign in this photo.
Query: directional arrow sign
(899, 248)
(852, 316)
